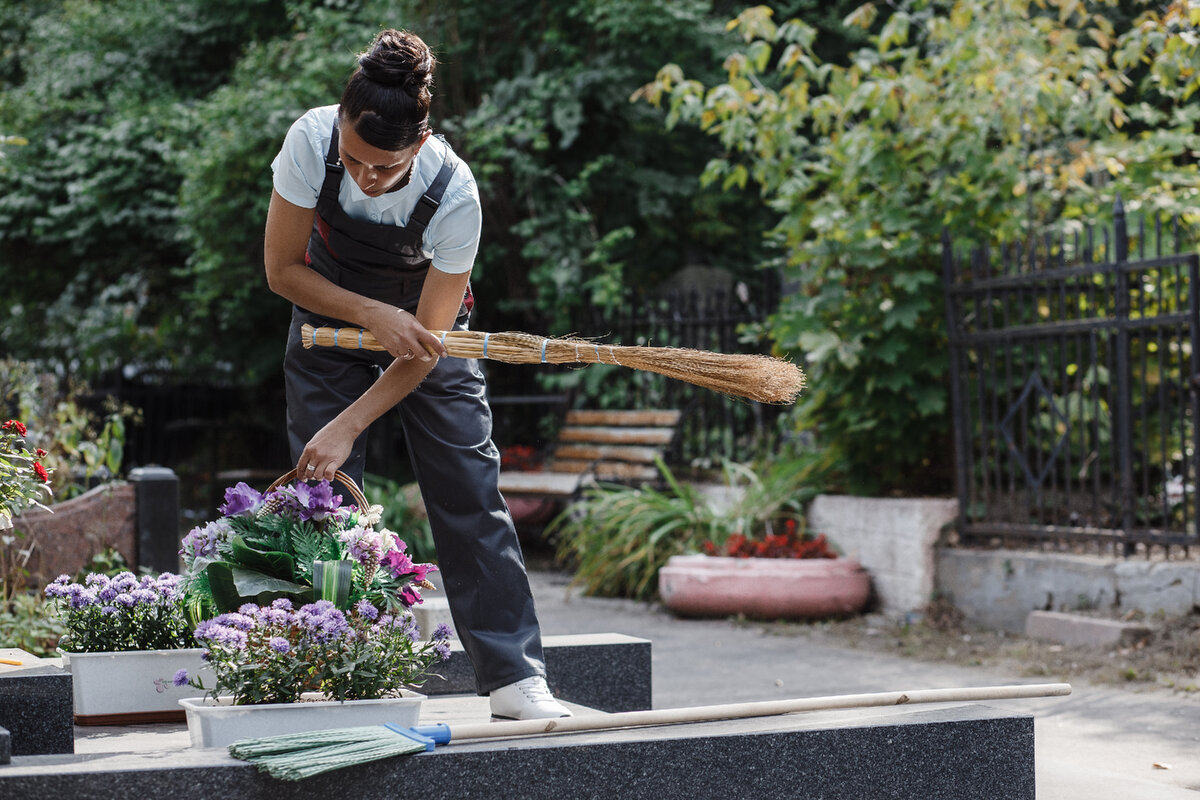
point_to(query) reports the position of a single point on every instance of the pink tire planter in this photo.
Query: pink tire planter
(765, 588)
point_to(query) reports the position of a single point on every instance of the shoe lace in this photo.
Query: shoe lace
(535, 689)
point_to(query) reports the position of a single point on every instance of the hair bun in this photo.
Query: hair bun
(399, 60)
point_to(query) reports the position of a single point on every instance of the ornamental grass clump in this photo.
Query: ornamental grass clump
(121, 613)
(277, 654)
(299, 543)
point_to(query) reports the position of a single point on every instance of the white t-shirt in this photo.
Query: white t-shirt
(452, 237)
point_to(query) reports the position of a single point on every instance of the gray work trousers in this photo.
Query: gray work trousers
(447, 426)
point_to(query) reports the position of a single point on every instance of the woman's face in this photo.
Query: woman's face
(374, 170)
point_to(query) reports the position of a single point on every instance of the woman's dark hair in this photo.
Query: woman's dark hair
(387, 98)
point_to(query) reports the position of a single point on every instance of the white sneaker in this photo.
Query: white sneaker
(529, 698)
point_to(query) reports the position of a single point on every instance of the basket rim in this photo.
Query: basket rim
(339, 476)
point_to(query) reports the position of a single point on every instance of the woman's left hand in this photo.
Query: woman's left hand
(325, 452)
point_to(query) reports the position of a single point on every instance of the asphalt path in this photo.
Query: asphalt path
(1098, 743)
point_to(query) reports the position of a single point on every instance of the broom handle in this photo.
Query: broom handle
(363, 339)
(766, 708)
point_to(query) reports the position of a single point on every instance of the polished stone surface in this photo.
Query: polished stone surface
(36, 705)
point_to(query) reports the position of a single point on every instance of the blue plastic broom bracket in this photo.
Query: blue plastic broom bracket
(411, 733)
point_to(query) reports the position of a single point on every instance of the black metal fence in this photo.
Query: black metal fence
(1074, 381)
(713, 426)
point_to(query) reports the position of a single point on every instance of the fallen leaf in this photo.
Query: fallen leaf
(1159, 765)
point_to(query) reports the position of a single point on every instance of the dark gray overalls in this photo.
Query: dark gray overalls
(447, 426)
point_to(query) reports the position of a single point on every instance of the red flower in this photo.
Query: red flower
(14, 424)
(41, 453)
(41, 472)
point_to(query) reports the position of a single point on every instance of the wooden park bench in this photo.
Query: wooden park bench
(598, 446)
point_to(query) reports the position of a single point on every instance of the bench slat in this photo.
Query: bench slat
(551, 484)
(609, 452)
(656, 436)
(660, 419)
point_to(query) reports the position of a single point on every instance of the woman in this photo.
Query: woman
(375, 224)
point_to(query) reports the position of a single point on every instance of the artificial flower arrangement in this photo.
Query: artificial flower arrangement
(300, 543)
(121, 613)
(308, 597)
(24, 481)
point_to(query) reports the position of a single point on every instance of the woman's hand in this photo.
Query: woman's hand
(402, 335)
(326, 452)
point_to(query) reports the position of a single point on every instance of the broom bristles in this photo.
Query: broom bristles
(762, 378)
(293, 757)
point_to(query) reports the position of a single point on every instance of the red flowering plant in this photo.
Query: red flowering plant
(24, 480)
(788, 544)
(520, 458)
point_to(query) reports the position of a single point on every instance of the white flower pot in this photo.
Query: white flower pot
(131, 687)
(220, 723)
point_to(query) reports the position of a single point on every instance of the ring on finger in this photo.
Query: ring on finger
(310, 468)
(409, 355)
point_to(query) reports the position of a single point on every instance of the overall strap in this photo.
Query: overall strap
(333, 168)
(427, 206)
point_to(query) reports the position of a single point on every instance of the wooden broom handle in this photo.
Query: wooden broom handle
(766, 708)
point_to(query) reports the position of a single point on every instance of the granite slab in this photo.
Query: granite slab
(606, 671)
(943, 752)
(36, 704)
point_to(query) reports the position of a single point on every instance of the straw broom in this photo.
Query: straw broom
(296, 756)
(762, 378)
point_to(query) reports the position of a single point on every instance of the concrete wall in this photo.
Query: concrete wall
(894, 539)
(998, 588)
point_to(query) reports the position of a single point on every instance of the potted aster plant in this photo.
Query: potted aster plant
(280, 669)
(313, 627)
(122, 633)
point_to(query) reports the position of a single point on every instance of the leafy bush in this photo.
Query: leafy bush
(617, 538)
(27, 623)
(935, 125)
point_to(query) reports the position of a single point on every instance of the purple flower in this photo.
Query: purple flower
(212, 631)
(241, 499)
(366, 610)
(410, 596)
(366, 546)
(397, 563)
(125, 599)
(442, 631)
(203, 541)
(316, 502)
(143, 596)
(124, 582)
(280, 645)
(181, 678)
(282, 603)
(108, 611)
(442, 649)
(95, 579)
(238, 621)
(322, 621)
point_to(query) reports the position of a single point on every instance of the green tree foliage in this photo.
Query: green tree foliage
(140, 198)
(96, 89)
(989, 119)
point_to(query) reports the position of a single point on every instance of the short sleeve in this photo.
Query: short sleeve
(454, 233)
(300, 165)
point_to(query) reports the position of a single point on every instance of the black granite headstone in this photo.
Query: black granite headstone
(37, 709)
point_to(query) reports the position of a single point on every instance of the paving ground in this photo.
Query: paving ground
(1127, 742)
